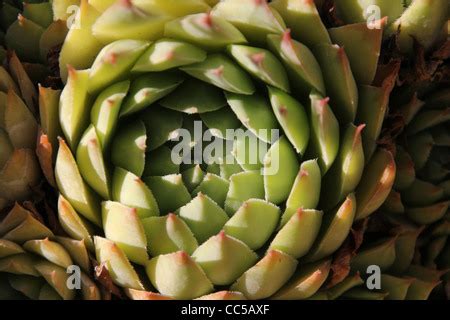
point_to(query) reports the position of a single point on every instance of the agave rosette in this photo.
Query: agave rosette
(146, 69)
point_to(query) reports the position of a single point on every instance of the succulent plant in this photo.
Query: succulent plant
(19, 168)
(408, 236)
(35, 263)
(219, 230)
(415, 217)
(35, 30)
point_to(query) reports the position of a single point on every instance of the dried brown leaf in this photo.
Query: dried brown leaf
(340, 267)
(104, 278)
(44, 151)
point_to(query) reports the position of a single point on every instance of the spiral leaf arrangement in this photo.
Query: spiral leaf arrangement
(34, 262)
(138, 74)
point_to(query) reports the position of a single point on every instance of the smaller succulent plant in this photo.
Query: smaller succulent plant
(35, 30)
(34, 261)
(19, 167)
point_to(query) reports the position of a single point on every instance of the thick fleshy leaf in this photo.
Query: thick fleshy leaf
(267, 276)
(353, 11)
(292, 117)
(105, 111)
(72, 54)
(261, 64)
(253, 223)
(168, 234)
(406, 173)
(255, 19)
(347, 284)
(301, 65)
(298, 234)
(203, 29)
(119, 267)
(339, 81)
(19, 122)
(147, 89)
(334, 230)
(305, 192)
(214, 187)
(124, 20)
(255, 114)
(280, 170)
(73, 106)
(221, 72)
(114, 62)
(359, 40)
(56, 277)
(9, 248)
(23, 37)
(186, 280)
(203, 216)
(167, 54)
(50, 250)
(130, 190)
(123, 226)
(159, 163)
(218, 122)
(376, 183)
(169, 191)
(224, 258)
(306, 282)
(381, 254)
(73, 187)
(244, 186)
(73, 224)
(91, 163)
(161, 125)
(173, 8)
(373, 103)
(49, 116)
(129, 147)
(422, 193)
(206, 99)
(346, 172)
(428, 119)
(249, 151)
(429, 214)
(303, 18)
(324, 143)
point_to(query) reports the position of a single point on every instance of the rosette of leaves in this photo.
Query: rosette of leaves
(36, 264)
(35, 30)
(145, 69)
(20, 174)
(408, 237)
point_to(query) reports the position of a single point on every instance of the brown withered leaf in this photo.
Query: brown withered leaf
(340, 267)
(53, 222)
(44, 151)
(387, 74)
(104, 278)
(425, 66)
(54, 80)
(329, 14)
(443, 52)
